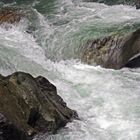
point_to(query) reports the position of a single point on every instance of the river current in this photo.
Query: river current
(107, 101)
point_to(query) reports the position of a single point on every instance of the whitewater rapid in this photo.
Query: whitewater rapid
(107, 101)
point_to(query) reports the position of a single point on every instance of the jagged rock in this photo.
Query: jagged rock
(9, 15)
(32, 104)
(113, 51)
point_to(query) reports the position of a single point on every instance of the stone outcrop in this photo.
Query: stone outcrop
(32, 105)
(113, 51)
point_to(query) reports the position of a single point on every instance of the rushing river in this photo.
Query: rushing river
(107, 101)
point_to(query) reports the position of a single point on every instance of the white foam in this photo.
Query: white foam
(107, 101)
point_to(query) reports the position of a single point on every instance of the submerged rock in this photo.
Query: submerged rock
(113, 2)
(12, 15)
(9, 15)
(116, 2)
(113, 51)
(32, 104)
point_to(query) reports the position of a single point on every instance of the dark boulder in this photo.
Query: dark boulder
(134, 62)
(113, 51)
(8, 131)
(32, 104)
(137, 3)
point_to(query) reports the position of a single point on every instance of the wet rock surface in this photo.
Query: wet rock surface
(10, 15)
(113, 51)
(137, 3)
(32, 104)
(113, 2)
(8, 131)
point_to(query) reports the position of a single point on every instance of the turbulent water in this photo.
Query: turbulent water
(107, 101)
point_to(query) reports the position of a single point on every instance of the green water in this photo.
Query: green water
(107, 101)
